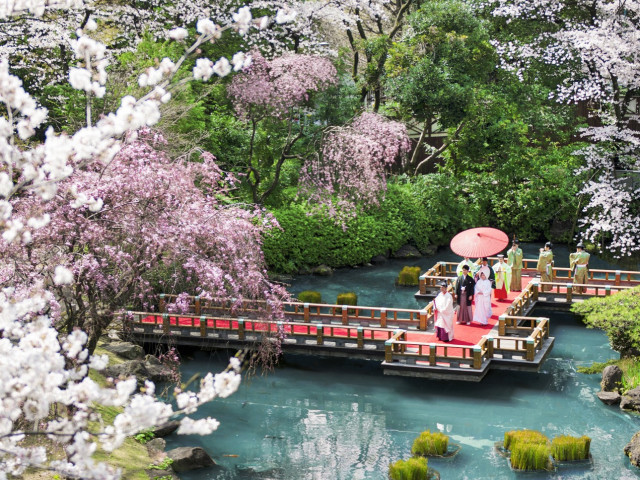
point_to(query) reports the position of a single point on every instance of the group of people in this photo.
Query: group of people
(476, 281)
(578, 263)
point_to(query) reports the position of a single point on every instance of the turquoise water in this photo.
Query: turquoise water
(338, 419)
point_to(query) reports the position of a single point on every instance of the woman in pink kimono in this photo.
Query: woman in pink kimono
(483, 300)
(443, 309)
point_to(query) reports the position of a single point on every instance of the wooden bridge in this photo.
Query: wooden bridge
(402, 340)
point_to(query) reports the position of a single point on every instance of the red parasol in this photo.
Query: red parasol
(479, 242)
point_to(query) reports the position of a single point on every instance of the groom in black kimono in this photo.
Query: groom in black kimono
(465, 286)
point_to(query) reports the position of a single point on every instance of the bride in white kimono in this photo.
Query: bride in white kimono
(443, 307)
(483, 300)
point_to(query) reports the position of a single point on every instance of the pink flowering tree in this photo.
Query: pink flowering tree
(156, 213)
(80, 219)
(591, 47)
(277, 90)
(352, 166)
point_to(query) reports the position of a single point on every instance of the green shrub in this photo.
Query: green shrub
(567, 448)
(409, 276)
(310, 296)
(618, 316)
(348, 298)
(414, 468)
(429, 443)
(307, 240)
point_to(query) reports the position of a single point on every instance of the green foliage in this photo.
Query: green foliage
(630, 373)
(529, 449)
(409, 276)
(144, 436)
(414, 468)
(164, 465)
(567, 448)
(441, 83)
(597, 367)
(310, 296)
(423, 211)
(428, 443)
(348, 298)
(434, 207)
(630, 367)
(618, 316)
(306, 240)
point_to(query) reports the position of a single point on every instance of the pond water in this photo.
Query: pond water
(339, 419)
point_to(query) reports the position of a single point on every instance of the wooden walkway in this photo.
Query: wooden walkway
(402, 340)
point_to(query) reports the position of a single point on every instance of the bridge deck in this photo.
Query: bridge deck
(402, 339)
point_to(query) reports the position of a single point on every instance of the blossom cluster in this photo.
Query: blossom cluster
(353, 163)
(273, 87)
(81, 217)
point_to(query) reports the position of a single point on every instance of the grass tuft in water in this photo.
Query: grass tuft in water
(430, 444)
(529, 449)
(567, 448)
(414, 468)
(310, 296)
(409, 276)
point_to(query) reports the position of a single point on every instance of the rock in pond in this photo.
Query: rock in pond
(631, 400)
(632, 450)
(189, 458)
(407, 251)
(127, 350)
(609, 398)
(323, 271)
(611, 378)
(379, 260)
(166, 428)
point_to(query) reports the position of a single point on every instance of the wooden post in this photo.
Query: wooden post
(423, 285)
(360, 337)
(306, 312)
(423, 319)
(319, 332)
(345, 315)
(203, 326)
(545, 330)
(161, 303)
(432, 353)
(383, 317)
(569, 291)
(502, 325)
(477, 357)
(607, 290)
(535, 288)
(165, 323)
(241, 330)
(617, 277)
(489, 347)
(442, 269)
(531, 349)
(197, 302)
(388, 351)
